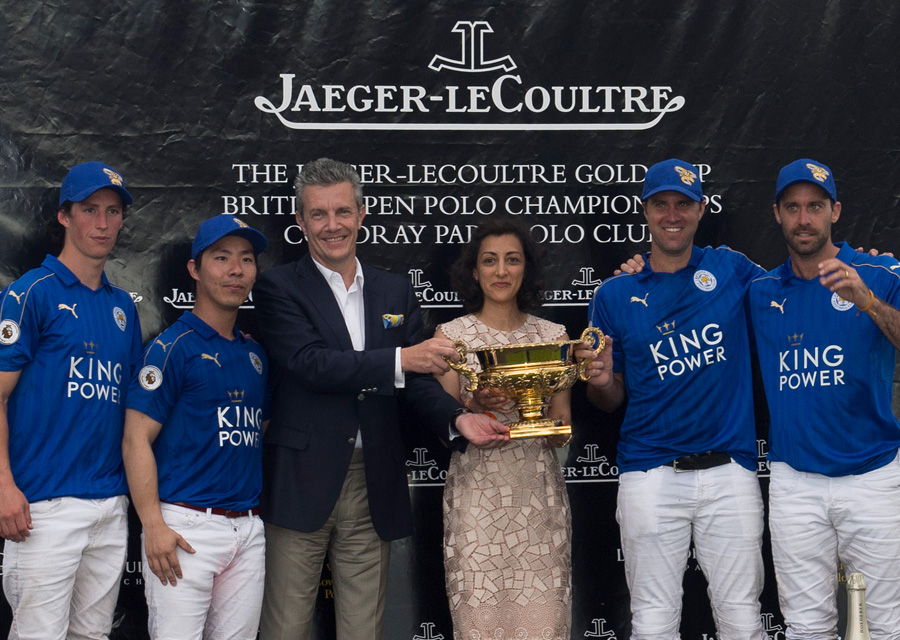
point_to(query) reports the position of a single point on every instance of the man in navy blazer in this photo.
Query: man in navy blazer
(345, 344)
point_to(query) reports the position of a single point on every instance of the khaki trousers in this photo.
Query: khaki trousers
(359, 567)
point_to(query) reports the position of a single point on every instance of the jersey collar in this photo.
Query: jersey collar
(204, 330)
(846, 254)
(693, 262)
(52, 263)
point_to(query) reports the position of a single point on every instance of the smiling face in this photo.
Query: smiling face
(225, 273)
(806, 213)
(672, 218)
(500, 268)
(92, 226)
(331, 219)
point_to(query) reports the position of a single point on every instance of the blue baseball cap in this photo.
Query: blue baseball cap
(806, 170)
(673, 175)
(214, 229)
(84, 179)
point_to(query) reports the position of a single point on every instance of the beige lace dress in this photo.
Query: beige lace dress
(507, 526)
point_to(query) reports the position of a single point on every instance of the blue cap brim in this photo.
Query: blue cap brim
(671, 187)
(257, 240)
(86, 193)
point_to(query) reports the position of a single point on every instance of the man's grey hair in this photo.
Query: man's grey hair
(326, 172)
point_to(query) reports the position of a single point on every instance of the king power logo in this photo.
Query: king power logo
(505, 98)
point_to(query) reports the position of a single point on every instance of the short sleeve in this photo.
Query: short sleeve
(21, 322)
(156, 385)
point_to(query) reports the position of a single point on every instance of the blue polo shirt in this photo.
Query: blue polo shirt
(827, 369)
(681, 341)
(74, 347)
(209, 393)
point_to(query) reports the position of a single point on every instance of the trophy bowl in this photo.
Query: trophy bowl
(528, 374)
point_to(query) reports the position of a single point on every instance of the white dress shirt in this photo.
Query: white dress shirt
(350, 301)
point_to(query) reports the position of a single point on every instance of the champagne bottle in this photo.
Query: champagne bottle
(857, 627)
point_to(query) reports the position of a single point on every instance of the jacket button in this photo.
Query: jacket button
(361, 397)
(351, 441)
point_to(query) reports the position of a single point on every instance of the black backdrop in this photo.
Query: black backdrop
(452, 110)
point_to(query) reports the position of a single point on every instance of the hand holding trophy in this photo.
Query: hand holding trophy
(529, 374)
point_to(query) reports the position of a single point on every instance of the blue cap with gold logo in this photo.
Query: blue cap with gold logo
(806, 170)
(214, 229)
(84, 179)
(673, 175)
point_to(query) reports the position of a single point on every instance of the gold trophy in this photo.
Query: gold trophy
(527, 374)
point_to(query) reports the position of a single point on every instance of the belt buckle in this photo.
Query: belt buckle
(675, 466)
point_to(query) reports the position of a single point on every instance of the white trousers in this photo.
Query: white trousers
(63, 581)
(659, 511)
(220, 595)
(816, 522)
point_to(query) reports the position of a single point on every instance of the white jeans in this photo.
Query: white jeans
(817, 521)
(220, 595)
(658, 511)
(63, 581)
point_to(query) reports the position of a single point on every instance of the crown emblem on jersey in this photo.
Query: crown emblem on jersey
(91, 347)
(666, 328)
(687, 176)
(795, 340)
(114, 177)
(236, 396)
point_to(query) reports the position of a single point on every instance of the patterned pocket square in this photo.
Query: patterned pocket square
(391, 320)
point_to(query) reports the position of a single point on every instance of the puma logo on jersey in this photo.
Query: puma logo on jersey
(895, 266)
(18, 296)
(780, 307)
(643, 300)
(68, 308)
(215, 358)
(165, 345)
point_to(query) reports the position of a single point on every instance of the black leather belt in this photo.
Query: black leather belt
(219, 511)
(698, 461)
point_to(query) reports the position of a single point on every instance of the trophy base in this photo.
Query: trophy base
(538, 428)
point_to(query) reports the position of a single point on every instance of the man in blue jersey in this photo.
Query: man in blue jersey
(827, 328)
(193, 450)
(687, 451)
(68, 339)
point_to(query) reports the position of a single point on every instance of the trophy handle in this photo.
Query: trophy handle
(461, 368)
(599, 343)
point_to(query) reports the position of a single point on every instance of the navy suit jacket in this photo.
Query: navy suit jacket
(324, 391)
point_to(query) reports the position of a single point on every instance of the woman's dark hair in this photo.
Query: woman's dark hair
(468, 288)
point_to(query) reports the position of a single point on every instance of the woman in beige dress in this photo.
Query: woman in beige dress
(507, 525)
